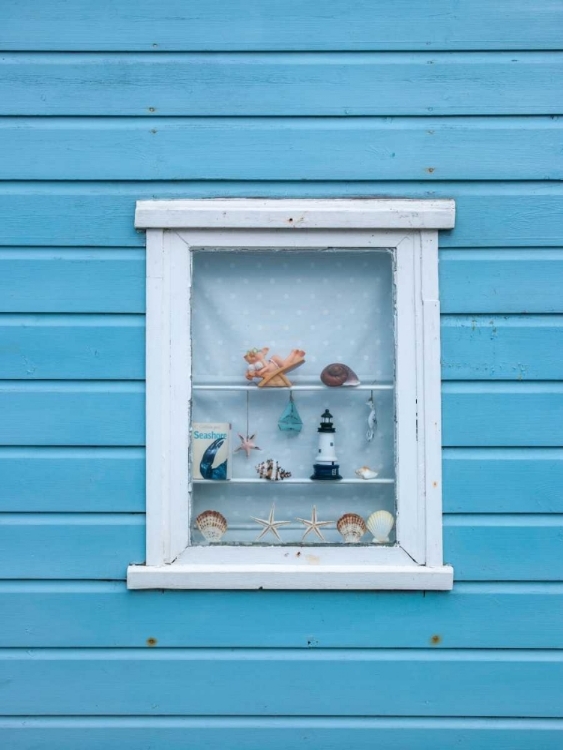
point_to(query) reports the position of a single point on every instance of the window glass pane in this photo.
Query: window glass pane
(336, 306)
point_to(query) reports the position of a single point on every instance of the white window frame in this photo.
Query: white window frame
(409, 228)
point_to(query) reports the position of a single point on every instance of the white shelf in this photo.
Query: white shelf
(376, 387)
(292, 480)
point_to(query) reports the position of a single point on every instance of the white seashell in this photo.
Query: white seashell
(212, 525)
(366, 473)
(380, 524)
(352, 527)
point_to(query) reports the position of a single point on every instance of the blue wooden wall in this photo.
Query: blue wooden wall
(105, 103)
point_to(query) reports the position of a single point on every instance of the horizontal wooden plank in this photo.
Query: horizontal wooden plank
(75, 480)
(51, 280)
(502, 414)
(60, 280)
(281, 149)
(266, 84)
(503, 480)
(483, 347)
(307, 682)
(44, 347)
(99, 546)
(101, 214)
(104, 414)
(60, 615)
(504, 548)
(218, 733)
(243, 25)
(81, 480)
(502, 281)
(53, 545)
(72, 413)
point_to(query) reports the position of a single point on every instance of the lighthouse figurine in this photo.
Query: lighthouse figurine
(326, 466)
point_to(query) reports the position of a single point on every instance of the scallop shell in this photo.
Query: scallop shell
(212, 525)
(352, 527)
(366, 473)
(380, 524)
(337, 374)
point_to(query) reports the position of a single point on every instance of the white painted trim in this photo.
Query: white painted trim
(416, 562)
(252, 213)
(284, 576)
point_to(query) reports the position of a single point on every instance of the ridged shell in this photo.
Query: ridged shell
(380, 524)
(366, 473)
(337, 374)
(352, 527)
(212, 525)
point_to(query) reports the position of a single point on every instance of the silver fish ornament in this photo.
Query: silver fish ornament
(372, 419)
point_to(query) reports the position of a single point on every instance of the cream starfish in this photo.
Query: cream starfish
(270, 524)
(313, 525)
(247, 444)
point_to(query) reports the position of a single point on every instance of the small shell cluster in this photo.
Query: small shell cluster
(270, 469)
(338, 374)
(352, 527)
(212, 525)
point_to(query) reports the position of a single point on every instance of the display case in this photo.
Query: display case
(293, 395)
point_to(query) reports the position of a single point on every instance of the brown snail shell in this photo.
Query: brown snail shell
(337, 374)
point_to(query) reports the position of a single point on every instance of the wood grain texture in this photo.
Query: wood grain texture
(286, 84)
(502, 414)
(502, 281)
(486, 347)
(73, 413)
(133, 733)
(60, 615)
(74, 480)
(243, 25)
(255, 734)
(503, 480)
(91, 347)
(281, 149)
(97, 214)
(153, 682)
(99, 546)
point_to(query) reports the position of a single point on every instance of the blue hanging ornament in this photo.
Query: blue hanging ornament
(290, 421)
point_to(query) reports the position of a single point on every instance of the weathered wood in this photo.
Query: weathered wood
(504, 83)
(106, 615)
(281, 149)
(320, 683)
(101, 214)
(292, 25)
(483, 347)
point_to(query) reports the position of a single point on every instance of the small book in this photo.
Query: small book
(211, 450)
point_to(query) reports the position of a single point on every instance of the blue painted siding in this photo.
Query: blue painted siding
(103, 104)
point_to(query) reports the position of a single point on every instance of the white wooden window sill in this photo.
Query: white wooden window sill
(406, 227)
